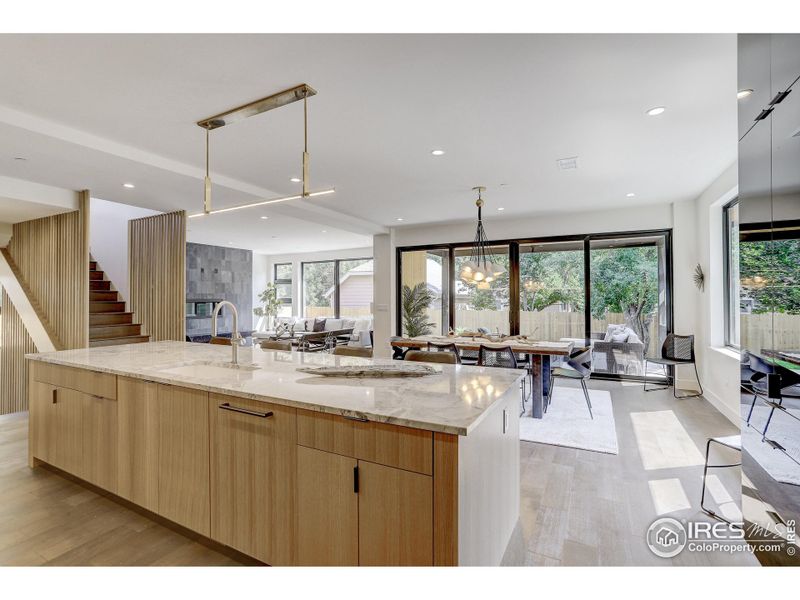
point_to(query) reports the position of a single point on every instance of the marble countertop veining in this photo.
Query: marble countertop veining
(452, 401)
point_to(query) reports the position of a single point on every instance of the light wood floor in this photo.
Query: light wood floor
(588, 508)
(577, 507)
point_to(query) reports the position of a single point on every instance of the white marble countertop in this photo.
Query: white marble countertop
(452, 401)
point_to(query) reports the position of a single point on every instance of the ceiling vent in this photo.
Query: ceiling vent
(565, 164)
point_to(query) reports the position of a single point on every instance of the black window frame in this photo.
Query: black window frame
(283, 281)
(726, 274)
(336, 282)
(514, 256)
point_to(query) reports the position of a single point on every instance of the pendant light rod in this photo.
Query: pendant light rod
(298, 92)
(207, 181)
(305, 147)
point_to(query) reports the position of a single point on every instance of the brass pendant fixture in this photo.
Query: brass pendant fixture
(300, 92)
(478, 270)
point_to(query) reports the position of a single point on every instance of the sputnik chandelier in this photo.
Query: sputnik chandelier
(478, 270)
(300, 92)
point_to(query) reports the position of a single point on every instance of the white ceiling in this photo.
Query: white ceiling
(94, 111)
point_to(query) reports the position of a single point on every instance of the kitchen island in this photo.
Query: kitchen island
(284, 466)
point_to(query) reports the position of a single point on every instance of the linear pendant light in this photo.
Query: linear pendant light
(300, 92)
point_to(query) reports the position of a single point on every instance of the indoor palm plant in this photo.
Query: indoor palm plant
(416, 301)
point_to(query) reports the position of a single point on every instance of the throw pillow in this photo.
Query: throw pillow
(319, 325)
(620, 337)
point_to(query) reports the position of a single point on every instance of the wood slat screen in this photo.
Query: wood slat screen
(16, 343)
(157, 270)
(51, 255)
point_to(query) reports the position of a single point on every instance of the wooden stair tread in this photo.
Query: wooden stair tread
(114, 330)
(119, 341)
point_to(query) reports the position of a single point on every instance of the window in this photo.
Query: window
(338, 288)
(283, 287)
(730, 220)
(611, 291)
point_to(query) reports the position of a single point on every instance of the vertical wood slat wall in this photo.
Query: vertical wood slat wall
(157, 270)
(52, 258)
(16, 344)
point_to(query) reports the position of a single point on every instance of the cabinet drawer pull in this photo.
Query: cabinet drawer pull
(245, 411)
(355, 479)
(55, 396)
(356, 418)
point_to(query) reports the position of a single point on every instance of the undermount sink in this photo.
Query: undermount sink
(210, 370)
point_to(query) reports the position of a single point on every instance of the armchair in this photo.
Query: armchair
(619, 350)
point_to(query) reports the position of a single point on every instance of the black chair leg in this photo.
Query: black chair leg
(588, 402)
(675, 387)
(752, 406)
(658, 386)
(707, 466)
(549, 393)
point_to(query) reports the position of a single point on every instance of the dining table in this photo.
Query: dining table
(540, 353)
(789, 356)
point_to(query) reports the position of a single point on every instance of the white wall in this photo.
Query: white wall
(108, 239)
(297, 259)
(719, 366)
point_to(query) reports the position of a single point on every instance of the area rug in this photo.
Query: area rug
(782, 429)
(567, 422)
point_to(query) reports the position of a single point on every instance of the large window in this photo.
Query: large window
(730, 220)
(609, 291)
(338, 288)
(283, 287)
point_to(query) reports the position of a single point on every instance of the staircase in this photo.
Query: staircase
(109, 324)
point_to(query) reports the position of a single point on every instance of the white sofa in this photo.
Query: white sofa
(362, 328)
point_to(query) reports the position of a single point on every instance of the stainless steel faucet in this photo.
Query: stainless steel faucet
(236, 339)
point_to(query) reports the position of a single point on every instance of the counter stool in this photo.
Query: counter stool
(734, 442)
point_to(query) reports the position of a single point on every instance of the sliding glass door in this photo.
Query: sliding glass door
(628, 302)
(552, 291)
(424, 291)
(610, 292)
(483, 307)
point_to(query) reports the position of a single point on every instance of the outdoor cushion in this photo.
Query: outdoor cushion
(619, 337)
(332, 325)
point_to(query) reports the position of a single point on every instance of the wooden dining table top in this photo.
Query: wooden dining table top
(790, 356)
(519, 346)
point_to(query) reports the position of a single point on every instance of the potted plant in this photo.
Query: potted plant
(416, 301)
(269, 304)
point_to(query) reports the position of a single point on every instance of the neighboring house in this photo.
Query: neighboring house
(355, 289)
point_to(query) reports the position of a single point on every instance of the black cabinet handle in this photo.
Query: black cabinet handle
(55, 396)
(356, 418)
(355, 479)
(244, 411)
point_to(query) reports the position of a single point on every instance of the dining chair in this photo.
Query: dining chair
(276, 345)
(353, 351)
(676, 350)
(447, 358)
(789, 386)
(446, 347)
(502, 356)
(578, 368)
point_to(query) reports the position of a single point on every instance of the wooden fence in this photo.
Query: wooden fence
(770, 331)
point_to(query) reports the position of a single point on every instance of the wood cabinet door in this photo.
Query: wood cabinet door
(66, 417)
(137, 460)
(253, 469)
(395, 517)
(183, 473)
(41, 426)
(327, 509)
(99, 451)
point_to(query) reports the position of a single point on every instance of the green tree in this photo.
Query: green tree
(770, 275)
(317, 280)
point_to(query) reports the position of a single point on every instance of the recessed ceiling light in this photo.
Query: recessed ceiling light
(130, 186)
(630, 194)
(500, 208)
(565, 164)
(400, 219)
(656, 110)
(20, 158)
(295, 180)
(437, 152)
(324, 231)
(265, 218)
(230, 243)
(743, 93)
